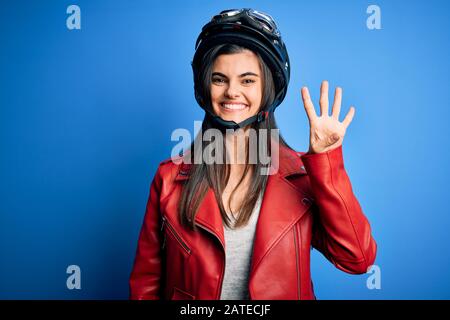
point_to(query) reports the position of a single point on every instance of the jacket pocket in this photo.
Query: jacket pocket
(167, 225)
(178, 294)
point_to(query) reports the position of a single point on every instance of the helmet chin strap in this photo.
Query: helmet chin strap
(227, 124)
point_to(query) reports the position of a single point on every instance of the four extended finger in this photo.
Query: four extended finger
(349, 117)
(337, 103)
(307, 103)
(324, 98)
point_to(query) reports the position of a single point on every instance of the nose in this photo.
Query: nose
(232, 90)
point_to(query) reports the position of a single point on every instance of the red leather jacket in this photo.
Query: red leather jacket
(308, 203)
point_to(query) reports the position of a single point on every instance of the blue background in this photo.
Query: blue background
(86, 116)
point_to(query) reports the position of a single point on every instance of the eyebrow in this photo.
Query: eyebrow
(241, 76)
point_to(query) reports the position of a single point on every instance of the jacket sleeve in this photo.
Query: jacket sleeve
(341, 232)
(146, 273)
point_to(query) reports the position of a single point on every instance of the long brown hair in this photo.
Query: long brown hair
(215, 176)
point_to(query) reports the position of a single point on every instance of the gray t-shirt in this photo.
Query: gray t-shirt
(238, 253)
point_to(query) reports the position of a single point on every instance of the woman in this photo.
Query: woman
(233, 230)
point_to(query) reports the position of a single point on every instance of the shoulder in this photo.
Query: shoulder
(174, 168)
(165, 176)
(169, 168)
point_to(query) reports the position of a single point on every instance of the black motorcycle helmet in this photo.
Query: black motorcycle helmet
(252, 29)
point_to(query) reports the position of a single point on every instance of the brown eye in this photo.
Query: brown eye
(248, 81)
(218, 80)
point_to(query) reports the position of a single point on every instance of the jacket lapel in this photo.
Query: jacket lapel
(208, 214)
(208, 217)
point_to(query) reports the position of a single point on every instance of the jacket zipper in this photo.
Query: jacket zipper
(223, 269)
(175, 234)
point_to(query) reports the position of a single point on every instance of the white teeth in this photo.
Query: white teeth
(234, 106)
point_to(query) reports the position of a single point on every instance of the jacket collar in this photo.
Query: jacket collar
(289, 164)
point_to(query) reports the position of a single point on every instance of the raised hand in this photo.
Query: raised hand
(326, 132)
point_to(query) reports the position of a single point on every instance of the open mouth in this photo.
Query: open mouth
(234, 106)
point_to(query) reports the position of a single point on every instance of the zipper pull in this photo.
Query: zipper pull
(163, 222)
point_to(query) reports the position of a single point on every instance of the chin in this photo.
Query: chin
(231, 118)
(236, 116)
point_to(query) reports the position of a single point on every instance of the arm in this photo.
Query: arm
(341, 232)
(145, 276)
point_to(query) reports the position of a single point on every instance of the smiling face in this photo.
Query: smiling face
(236, 86)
